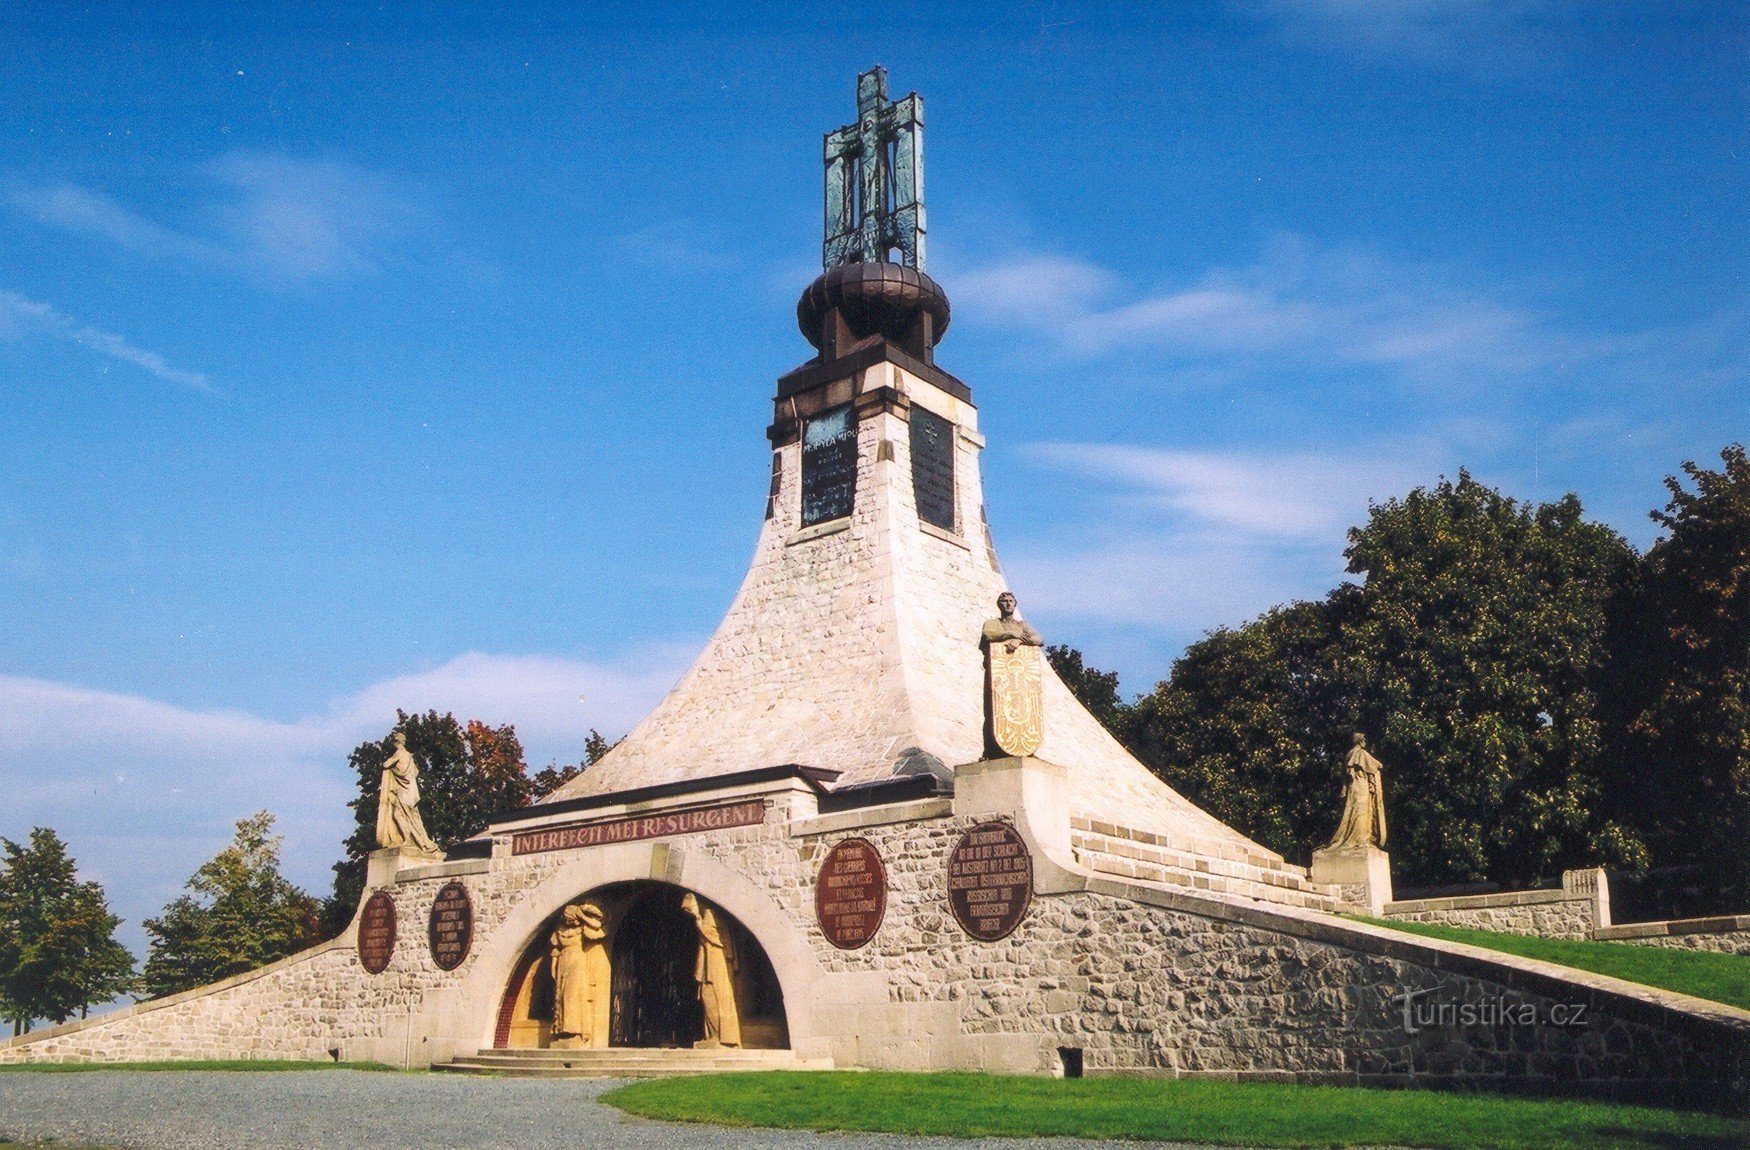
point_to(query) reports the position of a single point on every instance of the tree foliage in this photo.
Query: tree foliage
(1251, 721)
(58, 951)
(1683, 694)
(1097, 690)
(241, 913)
(1472, 657)
(468, 773)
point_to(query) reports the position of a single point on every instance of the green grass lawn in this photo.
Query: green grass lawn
(1193, 1110)
(1720, 977)
(246, 1064)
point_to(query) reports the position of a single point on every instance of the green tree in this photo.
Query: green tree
(468, 773)
(1472, 656)
(58, 951)
(1682, 765)
(1476, 655)
(1097, 690)
(553, 776)
(1251, 721)
(241, 914)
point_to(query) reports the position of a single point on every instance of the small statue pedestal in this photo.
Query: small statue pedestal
(1361, 874)
(382, 864)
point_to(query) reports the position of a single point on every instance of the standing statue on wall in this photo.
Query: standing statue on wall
(581, 978)
(1363, 822)
(715, 972)
(398, 821)
(1014, 713)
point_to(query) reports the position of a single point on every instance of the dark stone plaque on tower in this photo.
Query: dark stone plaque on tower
(829, 465)
(932, 467)
(452, 926)
(850, 895)
(377, 933)
(990, 881)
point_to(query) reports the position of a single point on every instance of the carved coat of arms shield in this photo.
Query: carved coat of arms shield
(1016, 711)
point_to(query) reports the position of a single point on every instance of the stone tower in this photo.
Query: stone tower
(852, 648)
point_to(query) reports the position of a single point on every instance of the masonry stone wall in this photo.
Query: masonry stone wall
(1140, 978)
(1576, 910)
(1725, 934)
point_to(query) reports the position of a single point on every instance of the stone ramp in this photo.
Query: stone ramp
(625, 1062)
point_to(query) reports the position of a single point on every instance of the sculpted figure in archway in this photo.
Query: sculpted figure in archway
(1363, 822)
(398, 821)
(715, 973)
(581, 977)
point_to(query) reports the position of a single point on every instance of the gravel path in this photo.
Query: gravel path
(361, 1110)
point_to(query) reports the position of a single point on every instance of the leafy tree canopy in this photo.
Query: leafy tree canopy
(1683, 764)
(241, 913)
(1471, 656)
(58, 951)
(469, 773)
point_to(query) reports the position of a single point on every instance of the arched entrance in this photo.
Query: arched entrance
(654, 947)
(656, 1000)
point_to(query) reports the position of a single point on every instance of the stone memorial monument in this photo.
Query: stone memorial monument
(1355, 860)
(871, 827)
(1013, 699)
(715, 971)
(581, 977)
(398, 823)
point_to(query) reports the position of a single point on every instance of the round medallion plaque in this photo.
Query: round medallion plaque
(452, 926)
(850, 896)
(377, 932)
(990, 881)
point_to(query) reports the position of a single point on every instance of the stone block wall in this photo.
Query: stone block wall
(1725, 934)
(1139, 979)
(1575, 911)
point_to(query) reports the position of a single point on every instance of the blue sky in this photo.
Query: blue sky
(357, 359)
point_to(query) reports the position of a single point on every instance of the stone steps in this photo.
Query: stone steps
(1258, 877)
(624, 1062)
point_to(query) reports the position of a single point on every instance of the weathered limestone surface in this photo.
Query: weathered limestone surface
(1725, 934)
(1141, 978)
(854, 649)
(1577, 910)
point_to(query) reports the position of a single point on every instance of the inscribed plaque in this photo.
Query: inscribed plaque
(850, 896)
(829, 465)
(377, 933)
(1016, 707)
(990, 881)
(451, 930)
(746, 813)
(932, 467)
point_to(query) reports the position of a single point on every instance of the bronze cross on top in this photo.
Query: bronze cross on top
(875, 179)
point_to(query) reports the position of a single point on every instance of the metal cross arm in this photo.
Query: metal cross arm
(875, 180)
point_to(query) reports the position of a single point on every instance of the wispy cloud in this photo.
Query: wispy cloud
(1297, 303)
(274, 218)
(1289, 496)
(1486, 38)
(21, 317)
(145, 790)
(1181, 541)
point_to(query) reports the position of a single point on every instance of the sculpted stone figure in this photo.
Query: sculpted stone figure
(715, 972)
(581, 977)
(1363, 822)
(398, 821)
(1014, 716)
(1008, 628)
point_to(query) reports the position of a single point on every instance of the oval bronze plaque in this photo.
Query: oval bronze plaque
(377, 932)
(850, 896)
(990, 881)
(452, 926)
